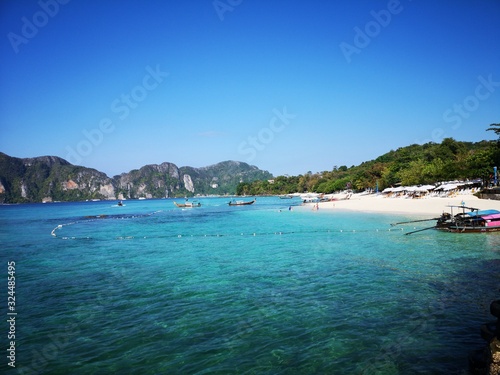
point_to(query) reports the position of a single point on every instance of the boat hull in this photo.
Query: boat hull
(469, 220)
(459, 229)
(188, 205)
(241, 203)
(474, 221)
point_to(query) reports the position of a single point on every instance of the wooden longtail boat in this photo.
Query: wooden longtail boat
(241, 203)
(481, 224)
(469, 220)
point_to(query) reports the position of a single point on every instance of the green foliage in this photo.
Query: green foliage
(495, 128)
(31, 180)
(223, 178)
(411, 165)
(34, 179)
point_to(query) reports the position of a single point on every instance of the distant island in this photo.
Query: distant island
(50, 178)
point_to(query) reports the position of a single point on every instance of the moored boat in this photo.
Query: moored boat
(480, 224)
(310, 197)
(188, 204)
(467, 220)
(241, 203)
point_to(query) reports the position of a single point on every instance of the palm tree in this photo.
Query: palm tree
(495, 128)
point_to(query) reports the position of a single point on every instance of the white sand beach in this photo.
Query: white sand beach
(417, 206)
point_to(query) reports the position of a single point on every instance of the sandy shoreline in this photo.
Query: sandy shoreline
(422, 206)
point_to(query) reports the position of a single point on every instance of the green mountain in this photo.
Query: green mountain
(50, 178)
(410, 165)
(224, 177)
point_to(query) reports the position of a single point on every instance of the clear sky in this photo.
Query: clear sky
(289, 86)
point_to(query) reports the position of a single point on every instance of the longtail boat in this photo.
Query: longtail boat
(241, 203)
(467, 220)
(470, 220)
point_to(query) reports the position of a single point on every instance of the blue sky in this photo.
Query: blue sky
(289, 86)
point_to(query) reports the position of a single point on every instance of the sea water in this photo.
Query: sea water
(149, 288)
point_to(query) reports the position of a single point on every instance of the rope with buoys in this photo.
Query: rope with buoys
(226, 235)
(89, 219)
(54, 230)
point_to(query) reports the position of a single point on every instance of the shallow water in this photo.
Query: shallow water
(153, 289)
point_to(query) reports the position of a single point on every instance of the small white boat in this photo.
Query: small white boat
(187, 204)
(310, 197)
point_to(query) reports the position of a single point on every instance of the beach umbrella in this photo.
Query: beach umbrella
(450, 187)
(427, 187)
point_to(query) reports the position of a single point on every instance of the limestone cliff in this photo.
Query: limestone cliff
(188, 183)
(167, 180)
(150, 181)
(49, 178)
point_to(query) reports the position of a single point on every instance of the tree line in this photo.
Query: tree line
(410, 165)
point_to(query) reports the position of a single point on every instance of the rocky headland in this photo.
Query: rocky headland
(50, 178)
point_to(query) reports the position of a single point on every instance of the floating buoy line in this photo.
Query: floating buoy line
(213, 235)
(89, 219)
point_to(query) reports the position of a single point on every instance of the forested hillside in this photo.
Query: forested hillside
(411, 165)
(50, 178)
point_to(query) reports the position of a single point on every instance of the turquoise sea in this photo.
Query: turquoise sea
(149, 288)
